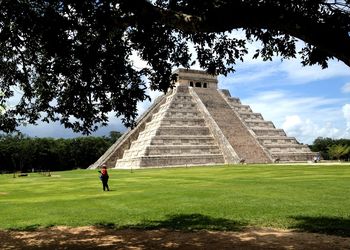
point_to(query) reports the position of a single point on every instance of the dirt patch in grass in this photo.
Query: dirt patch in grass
(104, 238)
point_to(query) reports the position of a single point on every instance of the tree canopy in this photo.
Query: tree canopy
(21, 153)
(70, 59)
(332, 148)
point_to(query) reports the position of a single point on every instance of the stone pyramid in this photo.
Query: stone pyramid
(195, 123)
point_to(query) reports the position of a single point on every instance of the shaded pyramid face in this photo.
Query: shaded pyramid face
(197, 124)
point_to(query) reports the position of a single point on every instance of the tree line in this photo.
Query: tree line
(332, 149)
(22, 153)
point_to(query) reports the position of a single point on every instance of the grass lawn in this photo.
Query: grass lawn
(311, 198)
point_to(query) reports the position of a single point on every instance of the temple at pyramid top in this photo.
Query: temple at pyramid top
(196, 123)
(195, 78)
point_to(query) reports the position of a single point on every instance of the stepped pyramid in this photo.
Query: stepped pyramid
(195, 123)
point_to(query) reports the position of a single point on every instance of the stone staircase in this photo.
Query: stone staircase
(275, 141)
(177, 135)
(243, 142)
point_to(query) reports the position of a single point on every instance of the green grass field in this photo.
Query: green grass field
(310, 198)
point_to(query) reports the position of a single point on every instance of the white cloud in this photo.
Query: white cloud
(287, 72)
(278, 103)
(291, 122)
(251, 73)
(346, 88)
(346, 113)
(308, 130)
(297, 74)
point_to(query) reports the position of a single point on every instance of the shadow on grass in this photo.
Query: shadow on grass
(186, 222)
(325, 225)
(31, 227)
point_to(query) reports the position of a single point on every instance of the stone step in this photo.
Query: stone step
(153, 146)
(183, 113)
(180, 130)
(286, 145)
(277, 137)
(182, 110)
(268, 131)
(178, 105)
(173, 121)
(267, 140)
(175, 140)
(189, 121)
(182, 98)
(259, 124)
(177, 112)
(287, 148)
(235, 104)
(234, 100)
(255, 120)
(185, 105)
(293, 157)
(182, 150)
(182, 93)
(241, 107)
(183, 140)
(171, 160)
(250, 115)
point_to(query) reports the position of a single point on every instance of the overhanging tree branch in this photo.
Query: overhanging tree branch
(329, 36)
(76, 54)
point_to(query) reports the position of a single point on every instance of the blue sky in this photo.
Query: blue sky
(307, 102)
